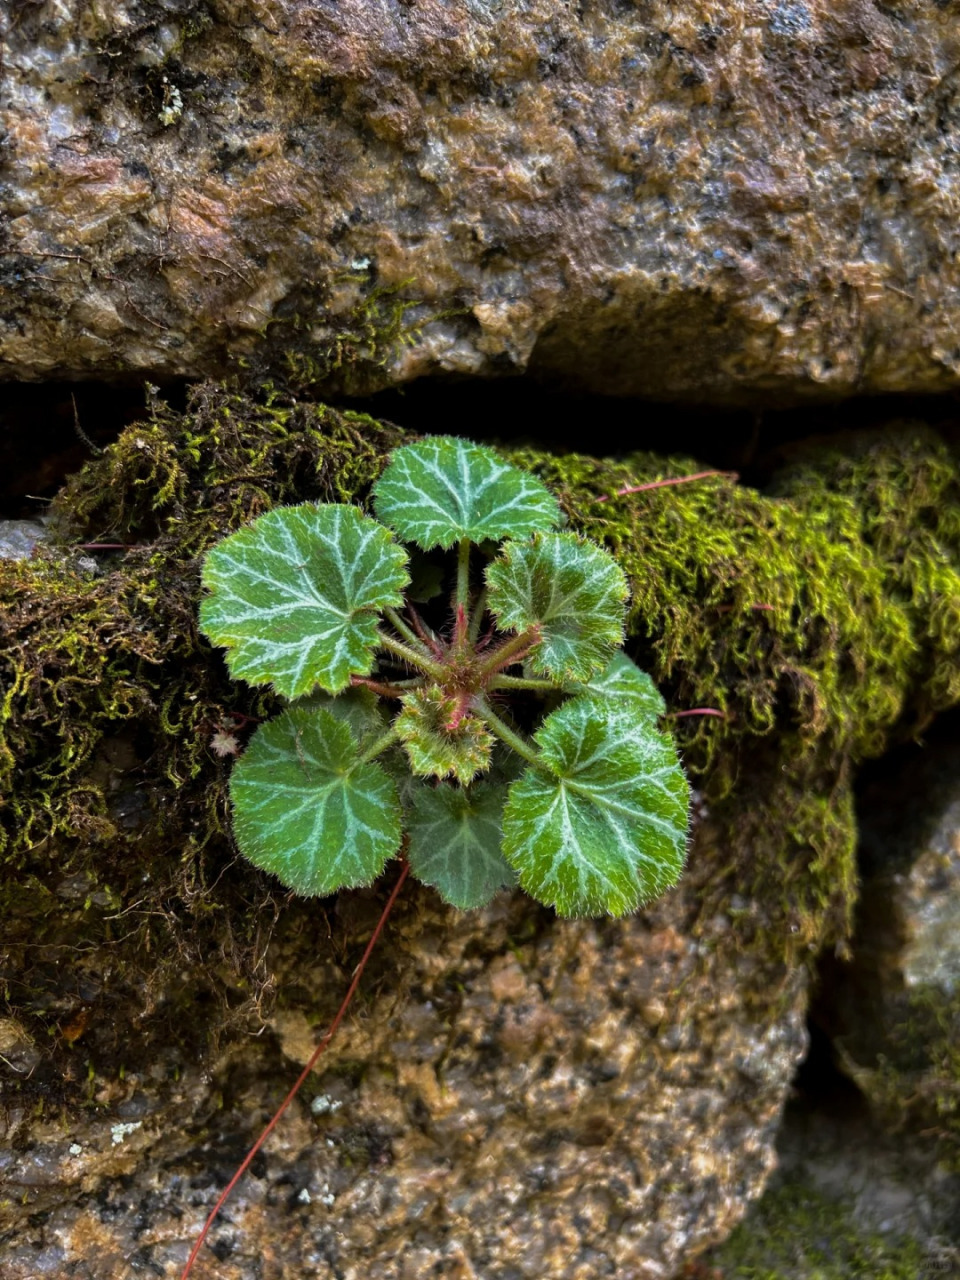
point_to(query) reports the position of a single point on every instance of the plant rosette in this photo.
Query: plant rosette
(497, 734)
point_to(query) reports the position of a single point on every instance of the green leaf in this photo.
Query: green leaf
(629, 689)
(306, 809)
(360, 709)
(600, 826)
(294, 596)
(455, 842)
(574, 591)
(440, 490)
(432, 747)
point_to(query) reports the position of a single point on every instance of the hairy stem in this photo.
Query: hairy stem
(415, 657)
(506, 735)
(463, 574)
(511, 651)
(410, 636)
(341, 1012)
(384, 689)
(522, 682)
(426, 636)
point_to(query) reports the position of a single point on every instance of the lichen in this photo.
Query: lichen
(818, 620)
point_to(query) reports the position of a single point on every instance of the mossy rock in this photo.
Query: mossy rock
(812, 617)
(821, 619)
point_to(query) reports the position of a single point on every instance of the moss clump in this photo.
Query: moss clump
(914, 1078)
(84, 652)
(827, 612)
(795, 1233)
(821, 621)
(805, 618)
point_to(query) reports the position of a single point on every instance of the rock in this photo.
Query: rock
(895, 1010)
(19, 537)
(499, 1106)
(744, 201)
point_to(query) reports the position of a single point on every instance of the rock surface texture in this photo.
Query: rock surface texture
(720, 199)
(516, 1099)
(895, 1011)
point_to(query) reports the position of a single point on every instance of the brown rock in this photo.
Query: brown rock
(500, 1105)
(723, 199)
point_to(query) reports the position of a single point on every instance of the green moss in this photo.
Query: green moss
(915, 1081)
(818, 621)
(827, 613)
(795, 1233)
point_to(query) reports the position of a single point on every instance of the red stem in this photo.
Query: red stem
(357, 975)
(697, 711)
(421, 630)
(662, 484)
(384, 690)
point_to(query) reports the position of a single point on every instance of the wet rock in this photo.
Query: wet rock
(718, 200)
(895, 1010)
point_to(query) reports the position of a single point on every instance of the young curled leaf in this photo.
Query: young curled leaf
(295, 596)
(455, 842)
(599, 827)
(573, 591)
(307, 809)
(441, 737)
(442, 489)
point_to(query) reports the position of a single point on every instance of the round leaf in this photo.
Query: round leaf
(306, 809)
(455, 842)
(600, 826)
(295, 596)
(628, 689)
(574, 591)
(440, 490)
(360, 709)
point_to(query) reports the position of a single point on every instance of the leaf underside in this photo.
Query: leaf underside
(442, 489)
(434, 751)
(307, 810)
(295, 596)
(573, 591)
(600, 827)
(455, 842)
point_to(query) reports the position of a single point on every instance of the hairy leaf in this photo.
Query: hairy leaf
(455, 842)
(307, 809)
(574, 591)
(440, 490)
(294, 596)
(600, 826)
(629, 689)
(439, 739)
(360, 709)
